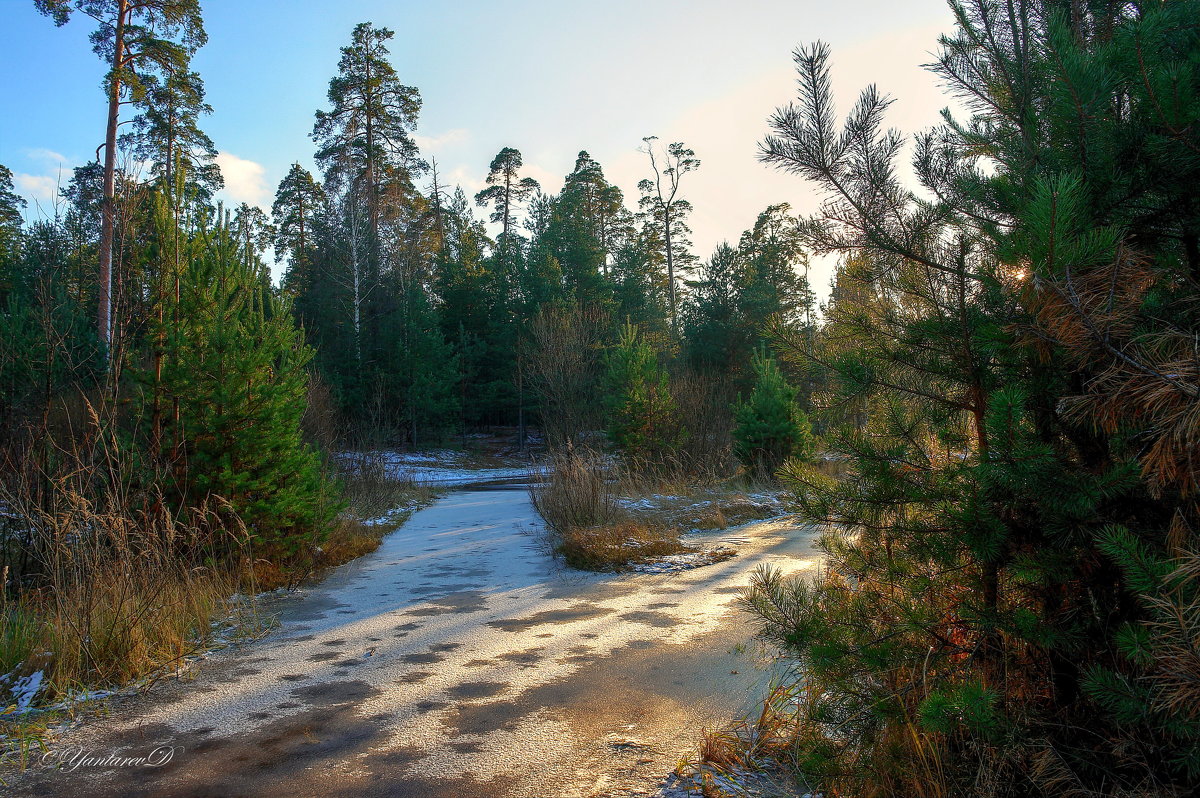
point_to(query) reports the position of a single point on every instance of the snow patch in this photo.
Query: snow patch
(670, 563)
(24, 691)
(437, 467)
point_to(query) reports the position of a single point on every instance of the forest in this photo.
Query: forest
(993, 420)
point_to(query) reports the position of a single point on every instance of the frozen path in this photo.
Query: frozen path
(459, 659)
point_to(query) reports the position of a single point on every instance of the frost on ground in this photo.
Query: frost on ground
(397, 514)
(441, 467)
(23, 690)
(735, 783)
(707, 519)
(683, 562)
(445, 661)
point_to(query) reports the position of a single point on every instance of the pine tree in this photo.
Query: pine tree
(167, 133)
(506, 191)
(368, 129)
(10, 233)
(236, 362)
(574, 233)
(639, 289)
(379, 249)
(771, 428)
(297, 212)
(427, 373)
(666, 212)
(254, 233)
(775, 285)
(713, 323)
(1013, 524)
(643, 418)
(134, 39)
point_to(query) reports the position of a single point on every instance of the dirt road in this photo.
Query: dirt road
(459, 659)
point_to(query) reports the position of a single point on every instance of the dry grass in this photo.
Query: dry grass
(716, 508)
(101, 584)
(777, 742)
(611, 547)
(117, 596)
(577, 490)
(579, 501)
(113, 599)
(604, 515)
(752, 756)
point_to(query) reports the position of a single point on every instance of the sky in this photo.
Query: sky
(549, 77)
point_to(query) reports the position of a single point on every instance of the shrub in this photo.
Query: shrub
(643, 418)
(234, 366)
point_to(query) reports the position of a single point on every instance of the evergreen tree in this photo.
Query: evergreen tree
(744, 297)
(1018, 507)
(236, 362)
(643, 418)
(506, 191)
(253, 232)
(300, 202)
(771, 429)
(427, 373)
(640, 293)
(368, 129)
(713, 326)
(775, 285)
(573, 234)
(10, 233)
(666, 212)
(167, 133)
(379, 252)
(135, 39)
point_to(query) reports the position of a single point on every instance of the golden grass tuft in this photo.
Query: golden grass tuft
(120, 595)
(578, 499)
(613, 546)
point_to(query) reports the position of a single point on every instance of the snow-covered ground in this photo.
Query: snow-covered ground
(442, 467)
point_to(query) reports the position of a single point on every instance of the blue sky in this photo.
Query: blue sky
(550, 78)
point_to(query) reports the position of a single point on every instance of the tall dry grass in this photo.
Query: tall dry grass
(577, 488)
(103, 583)
(579, 498)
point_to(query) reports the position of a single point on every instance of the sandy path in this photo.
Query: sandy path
(459, 659)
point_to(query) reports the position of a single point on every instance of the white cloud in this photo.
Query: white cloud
(42, 154)
(441, 141)
(468, 179)
(40, 188)
(245, 180)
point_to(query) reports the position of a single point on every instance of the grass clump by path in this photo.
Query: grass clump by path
(588, 524)
(108, 597)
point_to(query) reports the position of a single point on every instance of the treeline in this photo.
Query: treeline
(425, 325)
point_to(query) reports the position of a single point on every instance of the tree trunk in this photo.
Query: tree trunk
(108, 205)
(670, 268)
